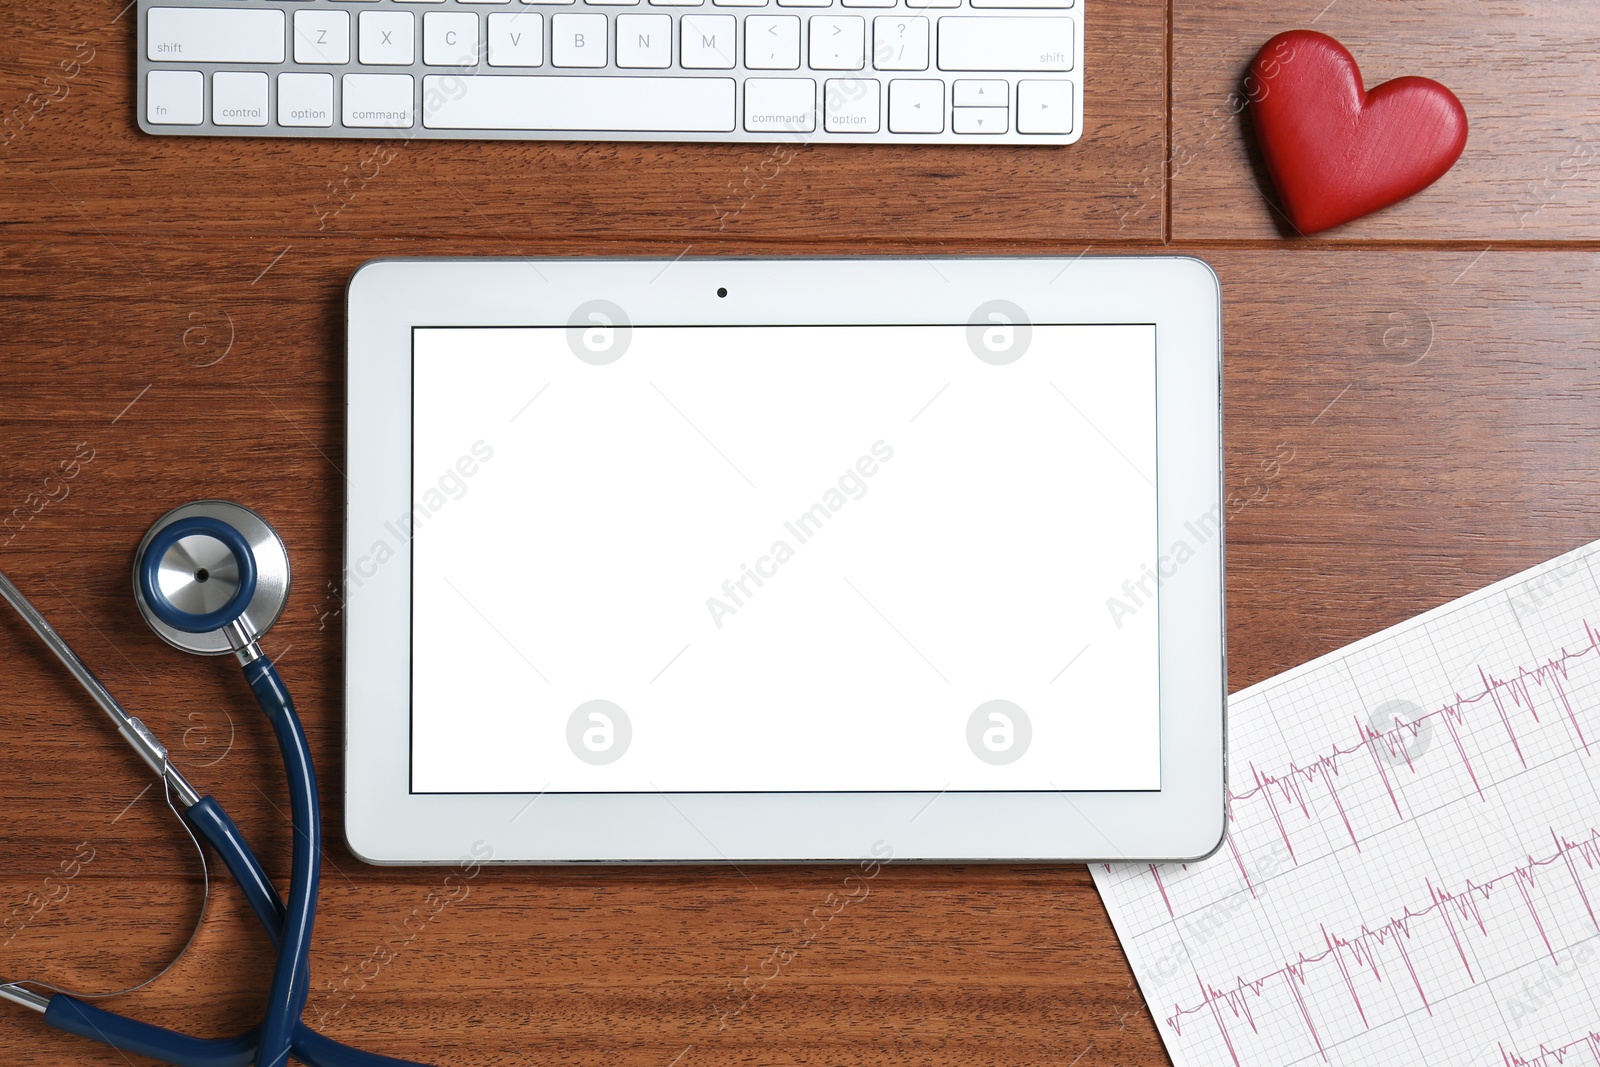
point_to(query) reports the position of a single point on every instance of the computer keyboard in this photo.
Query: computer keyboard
(864, 71)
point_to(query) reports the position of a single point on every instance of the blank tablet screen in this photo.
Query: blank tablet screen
(785, 558)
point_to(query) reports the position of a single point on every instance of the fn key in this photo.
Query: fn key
(1044, 106)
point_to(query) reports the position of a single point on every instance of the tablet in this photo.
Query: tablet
(767, 560)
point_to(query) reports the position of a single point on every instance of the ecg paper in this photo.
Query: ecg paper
(1412, 868)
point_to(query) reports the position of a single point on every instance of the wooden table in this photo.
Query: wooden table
(172, 326)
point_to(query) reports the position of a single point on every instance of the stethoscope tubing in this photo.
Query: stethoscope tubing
(213, 824)
(73, 1016)
(282, 1033)
(291, 975)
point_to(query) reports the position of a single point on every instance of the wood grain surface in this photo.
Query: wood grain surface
(173, 313)
(1527, 72)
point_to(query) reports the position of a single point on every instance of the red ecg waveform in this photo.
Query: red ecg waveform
(1289, 787)
(1361, 950)
(1548, 1056)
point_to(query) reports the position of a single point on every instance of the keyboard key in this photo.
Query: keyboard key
(378, 100)
(450, 39)
(579, 102)
(578, 40)
(305, 99)
(175, 98)
(837, 42)
(981, 92)
(906, 71)
(387, 37)
(215, 35)
(780, 105)
(644, 41)
(916, 105)
(772, 42)
(900, 42)
(850, 105)
(322, 36)
(979, 119)
(707, 41)
(991, 43)
(1044, 107)
(516, 39)
(239, 98)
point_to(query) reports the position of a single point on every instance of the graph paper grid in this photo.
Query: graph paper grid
(1412, 868)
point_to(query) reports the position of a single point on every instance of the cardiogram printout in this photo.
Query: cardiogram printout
(1412, 869)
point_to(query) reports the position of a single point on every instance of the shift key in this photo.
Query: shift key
(999, 43)
(215, 35)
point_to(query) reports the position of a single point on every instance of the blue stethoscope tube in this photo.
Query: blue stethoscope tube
(212, 823)
(291, 980)
(281, 1032)
(291, 975)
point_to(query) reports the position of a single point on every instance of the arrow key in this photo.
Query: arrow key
(1044, 106)
(980, 120)
(982, 92)
(916, 105)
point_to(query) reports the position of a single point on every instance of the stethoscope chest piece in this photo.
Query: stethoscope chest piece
(205, 565)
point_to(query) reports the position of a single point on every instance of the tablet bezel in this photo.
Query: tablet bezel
(386, 823)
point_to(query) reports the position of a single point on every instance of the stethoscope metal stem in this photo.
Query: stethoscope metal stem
(25, 997)
(242, 637)
(145, 743)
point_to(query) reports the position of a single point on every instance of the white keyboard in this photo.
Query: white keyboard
(872, 71)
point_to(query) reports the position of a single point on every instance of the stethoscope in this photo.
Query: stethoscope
(211, 578)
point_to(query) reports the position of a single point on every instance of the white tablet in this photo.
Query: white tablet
(761, 560)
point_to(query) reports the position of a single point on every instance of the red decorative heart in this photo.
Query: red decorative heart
(1335, 152)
